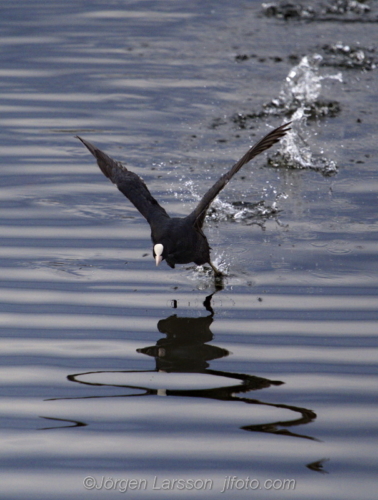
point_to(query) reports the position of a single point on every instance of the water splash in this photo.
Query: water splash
(240, 211)
(299, 100)
(299, 96)
(205, 273)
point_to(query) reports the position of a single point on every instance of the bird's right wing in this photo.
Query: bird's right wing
(129, 183)
(199, 213)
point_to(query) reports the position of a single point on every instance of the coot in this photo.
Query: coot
(176, 240)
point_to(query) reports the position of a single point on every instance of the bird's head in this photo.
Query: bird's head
(158, 253)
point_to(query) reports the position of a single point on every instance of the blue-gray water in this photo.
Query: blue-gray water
(114, 369)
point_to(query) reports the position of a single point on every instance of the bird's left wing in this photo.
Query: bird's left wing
(129, 183)
(199, 213)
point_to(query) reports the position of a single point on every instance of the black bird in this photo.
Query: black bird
(176, 240)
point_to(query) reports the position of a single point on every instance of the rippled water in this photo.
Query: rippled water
(140, 379)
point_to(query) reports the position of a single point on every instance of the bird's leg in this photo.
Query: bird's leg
(218, 275)
(216, 271)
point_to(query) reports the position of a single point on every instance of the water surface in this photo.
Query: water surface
(116, 370)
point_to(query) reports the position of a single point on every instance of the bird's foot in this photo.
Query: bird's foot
(217, 273)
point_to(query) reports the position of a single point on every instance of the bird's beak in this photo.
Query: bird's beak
(158, 251)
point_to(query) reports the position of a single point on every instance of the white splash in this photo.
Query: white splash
(299, 96)
(303, 83)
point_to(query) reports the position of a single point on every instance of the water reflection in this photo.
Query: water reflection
(185, 349)
(72, 423)
(318, 466)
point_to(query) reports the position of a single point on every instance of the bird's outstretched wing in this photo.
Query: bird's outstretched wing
(199, 213)
(129, 183)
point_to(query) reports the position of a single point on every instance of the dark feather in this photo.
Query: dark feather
(129, 183)
(199, 213)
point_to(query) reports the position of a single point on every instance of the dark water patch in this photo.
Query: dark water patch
(286, 10)
(343, 56)
(286, 161)
(331, 10)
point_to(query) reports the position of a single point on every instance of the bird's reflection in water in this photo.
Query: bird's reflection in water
(68, 423)
(186, 349)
